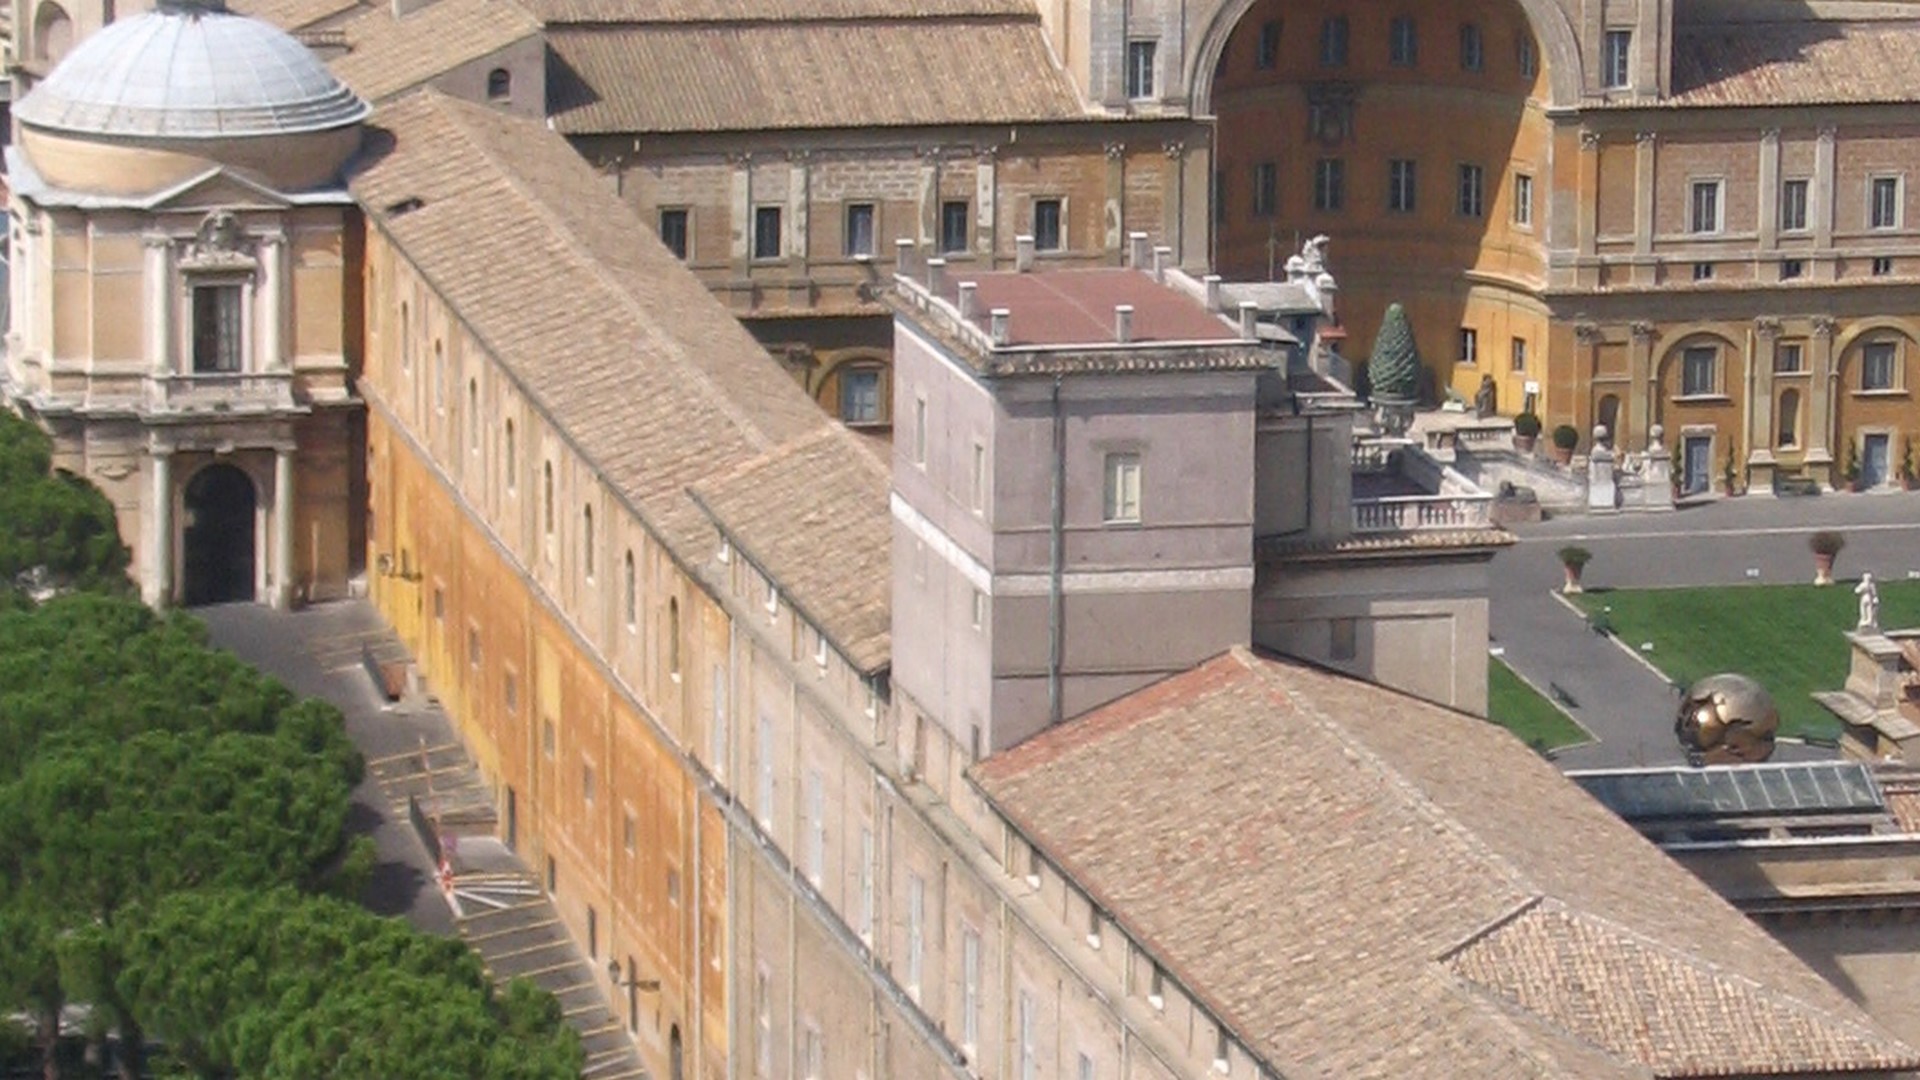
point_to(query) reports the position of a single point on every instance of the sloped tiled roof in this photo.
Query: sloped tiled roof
(386, 56)
(617, 342)
(558, 12)
(1361, 884)
(820, 74)
(1813, 62)
(291, 15)
(813, 515)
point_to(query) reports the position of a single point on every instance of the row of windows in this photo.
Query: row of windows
(1700, 366)
(1403, 45)
(1706, 207)
(1121, 473)
(1403, 189)
(861, 233)
(1470, 349)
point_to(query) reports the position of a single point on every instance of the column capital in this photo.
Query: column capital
(1174, 148)
(1767, 326)
(1771, 134)
(1586, 333)
(1646, 138)
(155, 239)
(1823, 326)
(1115, 150)
(1642, 331)
(1827, 132)
(274, 236)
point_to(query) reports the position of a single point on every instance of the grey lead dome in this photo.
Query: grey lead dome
(190, 71)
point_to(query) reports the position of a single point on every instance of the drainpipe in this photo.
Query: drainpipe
(1056, 616)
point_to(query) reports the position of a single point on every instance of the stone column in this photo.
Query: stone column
(273, 302)
(159, 294)
(283, 527)
(157, 590)
(1820, 391)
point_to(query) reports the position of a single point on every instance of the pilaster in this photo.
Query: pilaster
(159, 302)
(799, 190)
(1645, 379)
(1760, 464)
(1769, 193)
(1820, 389)
(741, 233)
(157, 589)
(986, 196)
(1644, 175)
(1587, 216)
(273, 302)
(1821, 200)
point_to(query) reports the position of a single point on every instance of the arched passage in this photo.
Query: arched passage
(218, 547)
(676, 1057)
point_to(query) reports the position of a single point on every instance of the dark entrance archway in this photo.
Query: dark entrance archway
(218, 547)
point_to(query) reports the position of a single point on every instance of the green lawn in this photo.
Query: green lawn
(1520, 709)
(1786, 636)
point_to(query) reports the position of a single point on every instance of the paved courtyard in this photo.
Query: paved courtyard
(1628, 708)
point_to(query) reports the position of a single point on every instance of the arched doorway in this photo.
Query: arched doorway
(218, 546)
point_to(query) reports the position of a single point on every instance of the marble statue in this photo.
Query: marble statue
(1869, 594)
(1486, 399)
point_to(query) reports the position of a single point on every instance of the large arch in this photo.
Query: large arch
(1559, 48)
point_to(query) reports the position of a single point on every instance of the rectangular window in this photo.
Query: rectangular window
(865, 925)
(767, 242)
(816, 852)
(1703, 213)
(512, 692)
(1401, 182)
(1403, 43)
(916, 931)
(1329, 184)
(629, 833)
(977, 486)
(1791, 268)
(1473, 190)
(1525, 56)
(1522, 200)
(1222, 1047)
(1140, 69)
(587, 784)
(859, 229)
(1697, 370)
(1265, 189)
(860, 396)
(763, 1017)
(1788, 357)
(1122, 488)
(1472, 53)
(1469, 345)
(1793, 206)
(473, 646)
(549, 741)
(1703, 271)
(969, 988)
(1268, 55)
(1046, 224)
(1029, 1036)
(217, 311)
(1333, 42)
(1877, 367)
(920, 432)
(953, 226)
(1519, 354)
(765, 755)
(1886, 202)
(673, 231)
(1882, 266)
(1616, 66)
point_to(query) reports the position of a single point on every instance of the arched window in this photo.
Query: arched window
(512, 458)
(406, 338)
(439, 377)
(673, 637)
(546, 496)
(499, 84)
(633, 599)
(586, 540)
(52, 32)
(473, 415)
(1789, 422)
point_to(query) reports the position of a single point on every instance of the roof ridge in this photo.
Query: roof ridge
(461, 114)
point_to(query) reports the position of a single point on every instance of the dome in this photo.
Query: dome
(190, 70)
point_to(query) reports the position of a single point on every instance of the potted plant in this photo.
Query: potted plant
(1565, 438)
(1852, 472)
(1825, 544)
(1526, 428)
(1573, 560)
(1907, 479)
(1730, 473)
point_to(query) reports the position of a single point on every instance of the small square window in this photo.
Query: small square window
(1791, 268)
(767, 241)
(1882, 266)
(1046, 224)
(859, 238)
(1788, 356)
(1122, 489)
(1703, 271)
(673, 231)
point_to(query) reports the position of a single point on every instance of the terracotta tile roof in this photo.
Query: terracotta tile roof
(741, 77)
(292, 15)
(557, 12)
(1798, 63)
(387, 56)
(619, 344)
(813, 515)
(1361, 884)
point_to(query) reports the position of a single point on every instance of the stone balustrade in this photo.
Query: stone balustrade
(223, 391)
(1418, 513)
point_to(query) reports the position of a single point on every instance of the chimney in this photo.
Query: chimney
(965, 302)
(1162, 255)
(1123, 323)
(1023, 253)
(999, 319)
(936, 275)
(1137, 250)
(1249, 319)
(1214, 300)
(903, 257)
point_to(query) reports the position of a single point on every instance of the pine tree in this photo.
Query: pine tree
(1394, 369)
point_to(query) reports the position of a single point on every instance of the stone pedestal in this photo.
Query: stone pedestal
(1659, 472)
(1603, 495)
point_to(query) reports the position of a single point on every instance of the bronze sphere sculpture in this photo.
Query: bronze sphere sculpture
(1726, 720)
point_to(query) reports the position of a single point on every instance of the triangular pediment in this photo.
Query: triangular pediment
(218, 188)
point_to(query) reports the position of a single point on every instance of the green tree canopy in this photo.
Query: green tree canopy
(60, 531)
(1394, 369)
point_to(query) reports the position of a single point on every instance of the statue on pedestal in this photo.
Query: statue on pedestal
(1869, 594)
(1486, 399)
